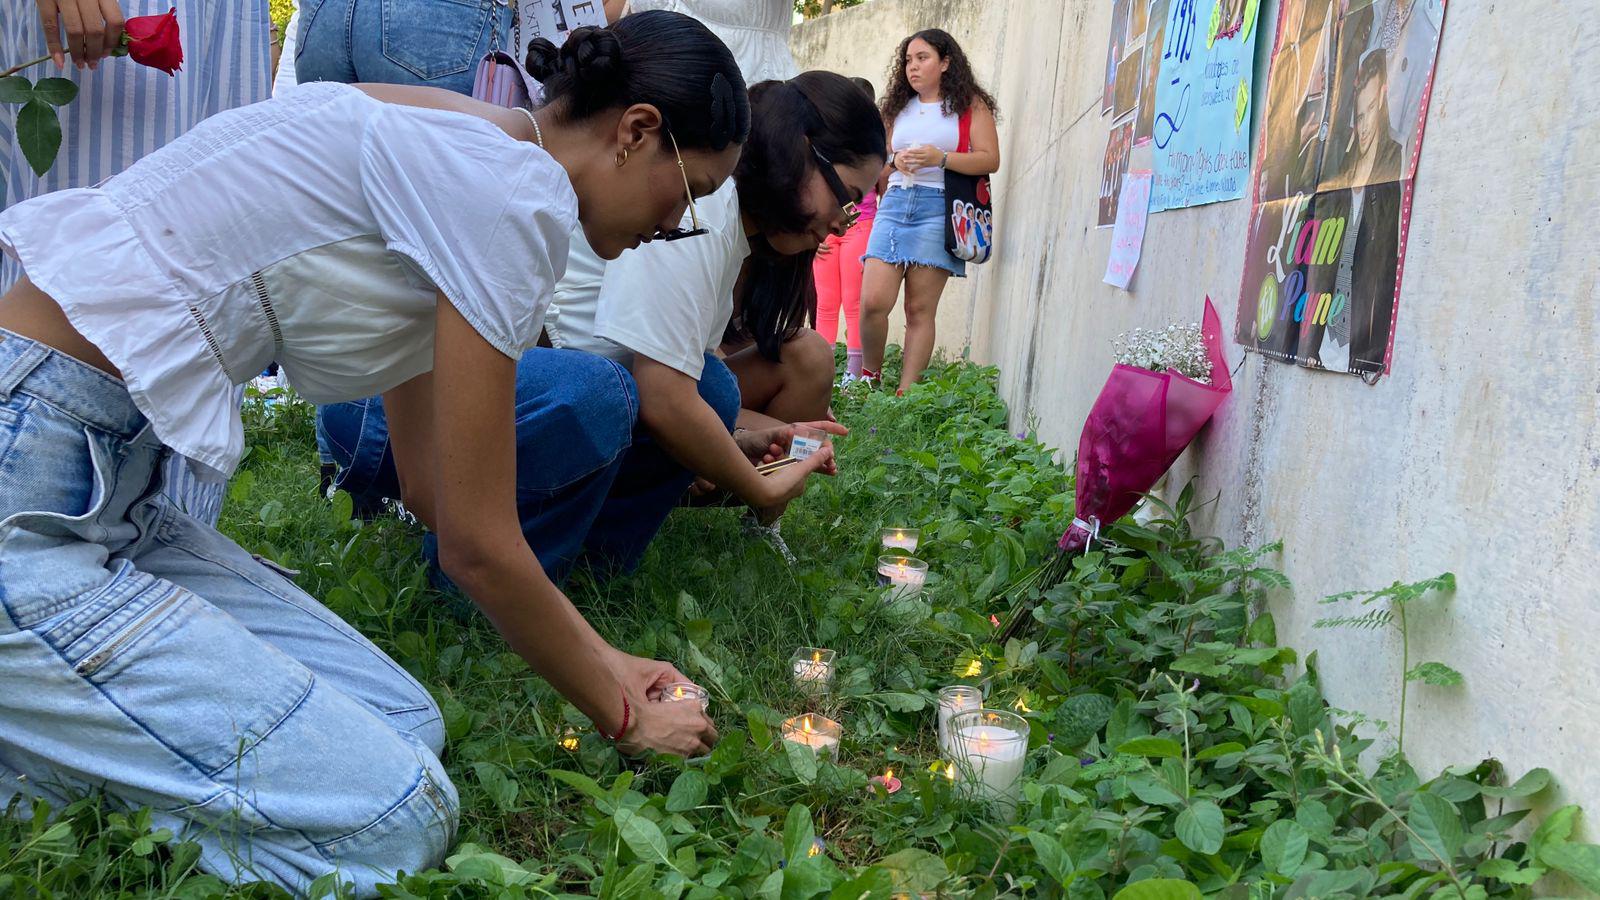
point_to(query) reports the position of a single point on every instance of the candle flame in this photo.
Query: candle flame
(569, 743)
(902, 565)
(816, 656)
(678, 692)
(899, 535)
(950, 771)
(806, 725)
(888, 774)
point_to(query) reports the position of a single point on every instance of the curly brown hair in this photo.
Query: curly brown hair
(958, 86)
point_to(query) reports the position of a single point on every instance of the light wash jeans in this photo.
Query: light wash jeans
(591, 486)
(434, 43)
(145, 655)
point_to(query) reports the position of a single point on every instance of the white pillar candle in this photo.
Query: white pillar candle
(898, 538)
(957, 698)
(814, 731)
(812, 668)
(991, 747)
(904, 575)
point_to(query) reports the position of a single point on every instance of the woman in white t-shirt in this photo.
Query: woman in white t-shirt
(931, 88)
(815, 147)
(757, 31)
(146, 655)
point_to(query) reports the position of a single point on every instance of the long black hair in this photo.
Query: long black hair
(958, 87)
(793, 121)
(665, 59)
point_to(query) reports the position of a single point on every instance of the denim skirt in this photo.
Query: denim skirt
(909, 230)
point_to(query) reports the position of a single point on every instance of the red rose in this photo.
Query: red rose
(153, 41)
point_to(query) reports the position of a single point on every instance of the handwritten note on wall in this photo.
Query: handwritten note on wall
(1127, 238)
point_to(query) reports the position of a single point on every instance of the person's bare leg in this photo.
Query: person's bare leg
(924, 285)
(796, 389)
(880, 287)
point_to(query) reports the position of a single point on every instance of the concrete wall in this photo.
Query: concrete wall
(1478, 455)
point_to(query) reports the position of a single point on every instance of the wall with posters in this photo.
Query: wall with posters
(1479, 453)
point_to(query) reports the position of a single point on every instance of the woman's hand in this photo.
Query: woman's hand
(921, 156)
(94, 29)
(680, 728)
(647, 677)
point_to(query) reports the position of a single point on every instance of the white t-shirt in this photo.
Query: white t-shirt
(670, 301)
(924, 123)
(313, 229)
(757, 31)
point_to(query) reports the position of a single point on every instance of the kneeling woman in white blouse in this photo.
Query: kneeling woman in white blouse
(143, 653)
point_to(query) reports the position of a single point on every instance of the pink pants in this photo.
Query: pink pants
(838, 274)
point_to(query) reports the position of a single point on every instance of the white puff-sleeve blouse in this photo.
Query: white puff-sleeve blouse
(315, 229)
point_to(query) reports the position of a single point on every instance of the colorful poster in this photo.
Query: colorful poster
(1154, 37)
(1347, 99)
(1201, 126)
(1118, 146)
(1114, 51)
(553, 19)
(1127, 238)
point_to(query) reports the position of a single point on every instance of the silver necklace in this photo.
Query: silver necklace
(538, 134)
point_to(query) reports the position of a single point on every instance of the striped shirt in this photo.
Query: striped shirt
(125, 111)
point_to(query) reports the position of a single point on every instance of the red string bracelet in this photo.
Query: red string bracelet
(627, 715)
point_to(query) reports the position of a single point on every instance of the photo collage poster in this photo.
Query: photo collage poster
(1347, 100)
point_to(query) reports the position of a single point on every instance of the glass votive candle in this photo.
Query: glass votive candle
(812, 669)
(817, 732)
(806, 441)
(904, 575)
(686, 692)
(990, 748)
(957, 698)
(898, 538)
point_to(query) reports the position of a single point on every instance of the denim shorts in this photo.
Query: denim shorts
(909, 230)
(433, 43)
(146, 656)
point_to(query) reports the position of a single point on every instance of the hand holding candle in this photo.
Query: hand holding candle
(686, 692)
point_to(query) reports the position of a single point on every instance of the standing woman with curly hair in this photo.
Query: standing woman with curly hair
(931, 88)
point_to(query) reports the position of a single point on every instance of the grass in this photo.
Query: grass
(1140, 784)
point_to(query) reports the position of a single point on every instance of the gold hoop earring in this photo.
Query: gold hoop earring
(623, 159)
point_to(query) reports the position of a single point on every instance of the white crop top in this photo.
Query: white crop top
(312, 229)
(924, 123)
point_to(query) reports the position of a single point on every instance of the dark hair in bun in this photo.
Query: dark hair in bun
(665, 59)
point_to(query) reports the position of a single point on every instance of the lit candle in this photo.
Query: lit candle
(887, 781)
(957, 698)
(815, 731)
(806, 441)
(991, 747)
(682, 691)
(569, 740)
(813, 669)
(903, 574)
(901, 539)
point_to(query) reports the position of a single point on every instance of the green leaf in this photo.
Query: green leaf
(1080, 718)
(1435, 673)
(1555, 829)
(642, 836)
(15, 89)
(1581, 862)
(1151, 746)
(1201, 826)
(1283, 846)
(798, 832)
(55, 91)
(916, 871)
(804, 878)
(1052, 857)
(874, 881)
(1159, 889)
(1306, 711)
(900, 701)
(1437, 824)
(1222, 749)
(1509, 872)
(502, 790)
(634, 882)
(802, 761)
(1153, 791)
(688, 791)
(585, 785)
(39, 133)
(1529, 784)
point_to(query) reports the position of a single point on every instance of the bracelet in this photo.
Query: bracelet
(945, 160)
(627, 714)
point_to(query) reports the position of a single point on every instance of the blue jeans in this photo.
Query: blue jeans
(434, 43)
(589, 483)
(144, 654)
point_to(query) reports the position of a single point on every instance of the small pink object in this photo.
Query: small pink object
(887, 781)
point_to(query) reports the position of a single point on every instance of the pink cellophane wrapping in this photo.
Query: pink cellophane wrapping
(1139, 425)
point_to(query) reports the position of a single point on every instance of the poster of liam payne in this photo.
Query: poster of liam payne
(1347, 98)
